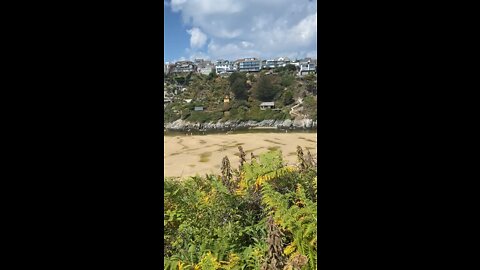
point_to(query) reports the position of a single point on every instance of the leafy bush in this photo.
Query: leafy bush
(288, 98)
(217, 222)
(310, 107)
(202, 116)
(287, 80)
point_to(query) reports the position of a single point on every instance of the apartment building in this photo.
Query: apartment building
(249, 65)
(224, 66)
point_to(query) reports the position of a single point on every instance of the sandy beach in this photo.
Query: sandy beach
(202, 154)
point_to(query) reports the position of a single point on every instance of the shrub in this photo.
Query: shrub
(210, 226)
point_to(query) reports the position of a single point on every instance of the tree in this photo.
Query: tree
(264, 89)
(238, 85)
(288, 98)
(291, 67)
(311, 83)
(236, 75)
(287, 80)
(239, 89)
(212, 75)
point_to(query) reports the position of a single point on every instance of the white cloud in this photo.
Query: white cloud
(197, 38)
(180, 59)
(197, 55)
(257, 28)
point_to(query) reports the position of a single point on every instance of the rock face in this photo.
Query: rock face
(181, 125)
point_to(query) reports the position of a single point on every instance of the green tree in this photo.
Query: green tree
(236, 75)
(291, 67)
(288, 98)
(238, 85)
(287, 80)
(264, 89)
(311, 83)
(239, 89)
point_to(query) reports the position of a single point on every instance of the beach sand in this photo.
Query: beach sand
(203, 154)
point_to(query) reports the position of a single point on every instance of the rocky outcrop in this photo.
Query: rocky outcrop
(180, 125)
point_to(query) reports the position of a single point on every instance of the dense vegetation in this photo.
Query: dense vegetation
(262, 215)
(245, 93)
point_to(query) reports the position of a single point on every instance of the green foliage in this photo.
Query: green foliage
(209, 91)
(242, 110)
(202, 116)
(208, 226)
(212, 76)
(238, 85)
(310, 107)
(256, 114)
(264, 89)
(311, 83)
(297, 215)
(239, 89)
(168, 113)
(288, 98)
(237, 76)
(291, 67)
(287, 80)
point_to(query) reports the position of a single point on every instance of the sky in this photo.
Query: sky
(233, 29)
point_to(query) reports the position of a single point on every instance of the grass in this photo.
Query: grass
(205, 157)
(274, 142)
(273, 148)
(308, 140)
(228, 146)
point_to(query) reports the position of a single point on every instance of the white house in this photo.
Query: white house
(307, 66)
(267, 105)
(224, 66)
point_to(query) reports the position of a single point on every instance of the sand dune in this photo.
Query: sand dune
(202, 154)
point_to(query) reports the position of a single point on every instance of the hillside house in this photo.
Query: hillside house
(204, 67)
(307, 66)
(224, 66)
(184, 67)
(249, 65)
(275, 63)
(267, 105)
(226, 99)
(168, 68)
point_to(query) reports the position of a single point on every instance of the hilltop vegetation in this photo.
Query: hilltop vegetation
(262, 215)
(245, 93)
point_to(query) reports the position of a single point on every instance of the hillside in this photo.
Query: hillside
(201, 98)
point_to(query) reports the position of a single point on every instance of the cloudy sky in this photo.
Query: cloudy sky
(232, 29)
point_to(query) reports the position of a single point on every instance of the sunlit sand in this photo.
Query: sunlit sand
(191, 155)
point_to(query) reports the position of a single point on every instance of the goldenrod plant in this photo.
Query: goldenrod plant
(261, 216)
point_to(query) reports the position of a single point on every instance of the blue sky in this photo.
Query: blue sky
(175, 35)
(232, 29)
